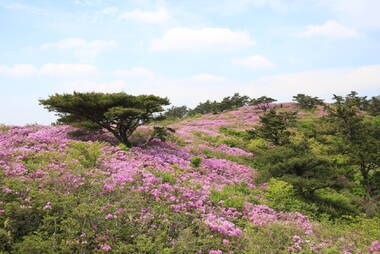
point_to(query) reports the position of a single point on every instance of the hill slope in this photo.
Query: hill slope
(193, 194)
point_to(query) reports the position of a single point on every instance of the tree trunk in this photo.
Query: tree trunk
(366, 183)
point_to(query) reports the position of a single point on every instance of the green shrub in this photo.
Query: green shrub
(195, 161)
(282, 196)
(273, 238)
(36, 244)
(86, 153)
(233, 142)
(233, 133)
(165, 176)
(336, 204)
(123, 147)
(231, 196)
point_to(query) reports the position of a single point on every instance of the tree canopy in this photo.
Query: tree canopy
(262, 102)
(119, 113)
(306, 101)
(359, 138)
(274, 127)
(177, 112)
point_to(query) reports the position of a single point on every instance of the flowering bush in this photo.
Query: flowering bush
(59, 194)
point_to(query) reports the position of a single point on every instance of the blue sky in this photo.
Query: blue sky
(186, 50)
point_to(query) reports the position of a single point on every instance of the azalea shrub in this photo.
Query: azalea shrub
(191, 193)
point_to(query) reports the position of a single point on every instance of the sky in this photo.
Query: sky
(186, 50)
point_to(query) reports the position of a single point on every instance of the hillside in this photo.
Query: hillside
(198, 192)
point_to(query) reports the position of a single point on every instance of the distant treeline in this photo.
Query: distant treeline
(236, 101)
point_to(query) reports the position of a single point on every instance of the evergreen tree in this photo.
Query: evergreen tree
(119, 113)
(274, 127)
(262, 102)
(359, 138)
(306, 101)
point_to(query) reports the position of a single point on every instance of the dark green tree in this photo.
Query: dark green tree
(161, 133)
(355, 100)
(206, 108)
(227, 103)
(262, 102)
(306, 101)
(176, 112)
(359, 138)
(274, 127)
(119, 113)
(374, 106)
(235, 101)
(297, 164)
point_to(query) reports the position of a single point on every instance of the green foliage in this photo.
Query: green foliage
(76, 223)
(195, 161)
(303, 174)
(374, 106)
(271, 239)
(307, 127)
(306, 101)
(274, 127)
(233, 102)
(233, 133)
(232, 142)
(124, 147)
(257, 145)
(359, 138)
(262, 102)
(230, 196)
(87, 154)
(353, 99)
(176, 112)
(227, 103)
(3, 127)
(165, 176)
(357, 230)
(161, 133)
(36, 244)
(118, 113)
(281, 195)
(335, 204)
(206, 108)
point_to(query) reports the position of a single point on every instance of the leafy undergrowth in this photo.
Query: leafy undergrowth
(194, 194)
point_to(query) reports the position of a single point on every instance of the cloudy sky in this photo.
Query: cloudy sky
(187, 50)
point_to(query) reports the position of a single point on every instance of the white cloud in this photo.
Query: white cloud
(254, 63)
(321, 83)
(207, 78)
(360, 13)
(67, 69)
(50, 69)
(153, 17)
(137, 72)
(109, 11)
(81, 47)
(207, 38)
(330, 29)
(18, 70)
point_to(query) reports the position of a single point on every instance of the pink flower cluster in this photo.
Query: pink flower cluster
(296, 244)
(234, 151)
(262, 215)
(375, 247)
(222, 225)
